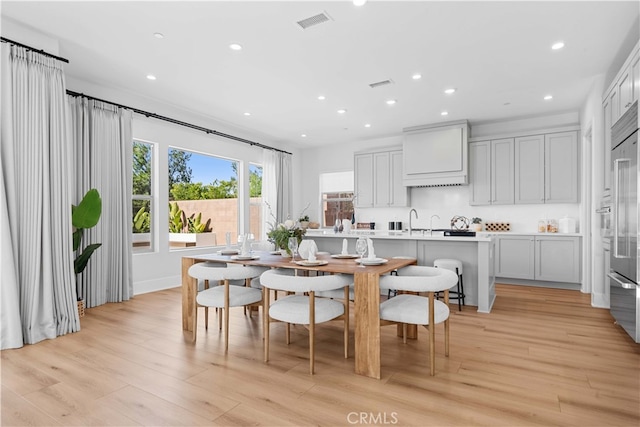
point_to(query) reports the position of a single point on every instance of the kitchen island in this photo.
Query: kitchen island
(476, 254)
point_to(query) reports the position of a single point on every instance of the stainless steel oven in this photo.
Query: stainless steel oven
(624, 288)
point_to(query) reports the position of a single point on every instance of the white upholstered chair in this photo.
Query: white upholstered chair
(406, 308)
(304, 308)
(225, 296)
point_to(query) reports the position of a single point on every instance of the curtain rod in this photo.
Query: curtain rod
(40, 51)
(178, 122)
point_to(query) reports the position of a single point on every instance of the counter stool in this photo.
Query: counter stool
(455, 266)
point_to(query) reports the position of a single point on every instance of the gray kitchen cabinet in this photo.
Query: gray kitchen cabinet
(378, 179)
(606, 158)
(363, 180)
(491, 172)
(548, 258)
(561, 167)
(502, 171)
(480, 173)
(557, 259)
(514, 257)
(529, 169)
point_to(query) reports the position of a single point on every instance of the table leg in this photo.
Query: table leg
(189, 290)
(367, 329)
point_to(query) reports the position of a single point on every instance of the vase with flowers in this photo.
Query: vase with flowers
(281, 233)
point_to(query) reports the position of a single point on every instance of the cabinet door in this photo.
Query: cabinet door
(480, 173)
(363, 180)
(502, 171)
(614, 100)
(515, 257)
(625, 90)
(529, 169)
(606, 158)
(399, 193)
(635, 67)
(561, 167)
(381, 174)
(558, 259)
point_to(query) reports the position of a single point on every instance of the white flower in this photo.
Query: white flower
(289, 224)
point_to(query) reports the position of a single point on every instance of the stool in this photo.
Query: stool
(455, 266)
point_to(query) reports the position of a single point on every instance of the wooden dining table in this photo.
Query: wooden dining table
(367, 296)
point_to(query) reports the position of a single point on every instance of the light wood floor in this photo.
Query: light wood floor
(542, 357)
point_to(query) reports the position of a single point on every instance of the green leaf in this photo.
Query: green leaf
(81, 261)
(87, 213)
(77, 238)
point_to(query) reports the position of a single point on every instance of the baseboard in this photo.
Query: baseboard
(159, 284)
(539, 283)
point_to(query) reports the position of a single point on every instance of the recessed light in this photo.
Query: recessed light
(367, 125)
(391, 101)
(557, 45)
(158, 35)
(235, 46)
(359, 2)
(247, 113)
(304, 135)
(548, 97)
(342, 111)
(416, 76)
(151, 77)
(449, 91)
(444, 113)
(322, 97)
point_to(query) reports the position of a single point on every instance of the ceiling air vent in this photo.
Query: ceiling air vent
(382, 83)
(314, 20)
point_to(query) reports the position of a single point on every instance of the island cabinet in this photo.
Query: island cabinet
(378, 179)
(546, 258)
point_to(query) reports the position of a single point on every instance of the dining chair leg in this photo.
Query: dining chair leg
(226, 315)
(312, 335)
(446, 338)
(404, 333)
(346, 322)
(432, 337)
(265, 324)
(287, 333)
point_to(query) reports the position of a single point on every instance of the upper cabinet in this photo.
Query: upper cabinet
(625, 88)
(525, 169)
(378, 179)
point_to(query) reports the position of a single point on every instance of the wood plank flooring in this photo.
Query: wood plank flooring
(543, 357)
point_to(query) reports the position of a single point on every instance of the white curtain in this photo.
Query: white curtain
(38, 284)
(276, 185)
(103, 139)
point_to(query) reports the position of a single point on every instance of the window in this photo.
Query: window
(203, 199)
(255, 200)
(336, 189)
(142, 197)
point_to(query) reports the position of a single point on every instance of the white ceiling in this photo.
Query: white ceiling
(496, 54)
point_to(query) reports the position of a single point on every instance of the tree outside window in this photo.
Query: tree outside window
(142, 196)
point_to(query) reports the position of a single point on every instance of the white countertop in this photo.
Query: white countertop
(397, 235)
(481, 236)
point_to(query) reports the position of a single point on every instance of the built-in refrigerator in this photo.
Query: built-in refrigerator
(624, 288)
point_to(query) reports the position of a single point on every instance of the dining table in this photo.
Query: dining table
(366, 294)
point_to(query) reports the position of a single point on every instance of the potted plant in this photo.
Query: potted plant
(281, 233)
(188, 231)
(304, 222)
(84, 216)
(476, 224)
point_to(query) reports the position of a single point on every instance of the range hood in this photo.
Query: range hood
(436, 155)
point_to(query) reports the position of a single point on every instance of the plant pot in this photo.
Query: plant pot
(304, 224)
(284, 253)
(476, 227)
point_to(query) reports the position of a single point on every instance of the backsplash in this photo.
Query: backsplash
(447, 202)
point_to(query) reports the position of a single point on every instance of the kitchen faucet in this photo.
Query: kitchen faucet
(416, 212)
(431, 223)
